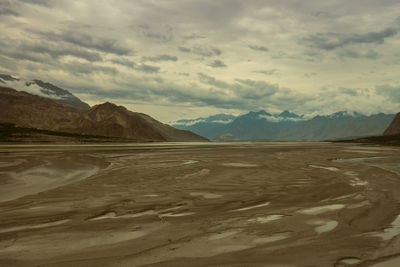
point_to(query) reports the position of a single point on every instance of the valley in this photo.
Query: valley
(213, 204)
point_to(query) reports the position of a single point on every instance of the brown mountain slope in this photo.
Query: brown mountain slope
(394, 127)
(26, 110)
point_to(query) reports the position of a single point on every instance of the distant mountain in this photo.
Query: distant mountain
(108, 120)
(44, 89)
(394, 127)
(286, 126)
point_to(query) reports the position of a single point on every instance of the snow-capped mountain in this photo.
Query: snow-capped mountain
(40, 88)
(262, 125)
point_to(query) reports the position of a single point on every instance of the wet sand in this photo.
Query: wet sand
(239, 204)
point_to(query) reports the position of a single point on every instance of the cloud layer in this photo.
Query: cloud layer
(193, 58)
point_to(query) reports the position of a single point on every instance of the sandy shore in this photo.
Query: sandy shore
(279, 204)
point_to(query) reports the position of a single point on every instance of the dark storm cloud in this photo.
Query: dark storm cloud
(258, 48)
(217, 64)
(163, 35)
(160, 58)
(331, 41)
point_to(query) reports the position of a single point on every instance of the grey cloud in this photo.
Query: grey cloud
(201, 51)
(354, 91)
(160, 58)
(331, 41)
(57, 51)
(124, 62)
(79, 69)
(163, 35)
(4, 11)
(106, 45)
(204, 78)
(217, 64)
(258, 48)
(351, 53)
(44, 3)
(147, 68)
(194, 36)
(390, 92)
(267, 72)
(184, 49)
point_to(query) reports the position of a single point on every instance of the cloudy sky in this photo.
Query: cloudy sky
(176, 59)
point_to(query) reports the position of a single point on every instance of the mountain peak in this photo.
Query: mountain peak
(288, 114)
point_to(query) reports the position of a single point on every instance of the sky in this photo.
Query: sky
(183, 59)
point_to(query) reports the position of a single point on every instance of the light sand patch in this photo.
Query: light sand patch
(323, 226)
(188, 162)
(205, 195)
(360, 205)
(230, 248)
(271, 238)
(240, 165)
(347, 262)
(29, 227)
(267, 219)
(321, 209)
(332, 169)
(252, 207)
(362, 151)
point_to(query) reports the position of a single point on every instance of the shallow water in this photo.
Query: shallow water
(392, 231)
(267, 219)
(323, 226)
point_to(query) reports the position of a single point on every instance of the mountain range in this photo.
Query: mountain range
(48, 107)
(287, 126)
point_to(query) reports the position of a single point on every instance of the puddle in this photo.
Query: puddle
(205, 195)
(333, 169)
(223, 235)
(323, 226)
(151, 195)
(267, 219)
(390, 232)
(362, 151)
(272, 238)
(347, 262)
(252, 207)
(37, 226)
(322, 209)
(243, 165)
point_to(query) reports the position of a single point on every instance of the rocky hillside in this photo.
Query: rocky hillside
(109, 120)
(394, 127)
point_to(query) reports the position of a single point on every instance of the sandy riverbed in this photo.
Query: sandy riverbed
(279, 204)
